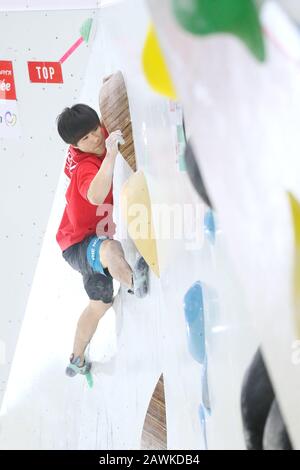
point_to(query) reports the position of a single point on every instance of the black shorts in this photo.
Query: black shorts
(97, 286)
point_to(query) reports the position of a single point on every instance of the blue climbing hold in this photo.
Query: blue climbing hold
(194, 316)
(202, 418)
(205, 391)
(210, 226)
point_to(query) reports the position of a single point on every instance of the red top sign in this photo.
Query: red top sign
(45, 72)
(7, 82)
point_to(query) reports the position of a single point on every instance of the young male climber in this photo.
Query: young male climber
(86, 229)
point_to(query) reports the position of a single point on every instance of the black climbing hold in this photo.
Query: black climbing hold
(194, 173)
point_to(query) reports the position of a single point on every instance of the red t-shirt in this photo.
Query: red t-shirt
(81, 218)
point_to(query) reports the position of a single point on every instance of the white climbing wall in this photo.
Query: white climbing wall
(31, 5)
(31, 154)
(40, 399)
(243, 117)
(138, 340)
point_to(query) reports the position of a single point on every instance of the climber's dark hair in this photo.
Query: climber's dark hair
(76, 122)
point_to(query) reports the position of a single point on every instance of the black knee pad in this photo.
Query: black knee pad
(99, 287)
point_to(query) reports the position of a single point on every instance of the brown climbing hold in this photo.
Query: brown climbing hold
(115, 113)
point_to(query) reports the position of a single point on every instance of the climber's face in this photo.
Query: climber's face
(93, 142)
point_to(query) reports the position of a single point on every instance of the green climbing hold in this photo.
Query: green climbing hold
(86, 29)
(237, 17)
(89, 379)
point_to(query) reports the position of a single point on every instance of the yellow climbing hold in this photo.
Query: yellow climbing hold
(137, 213)
(155, 68)
(295, 208)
